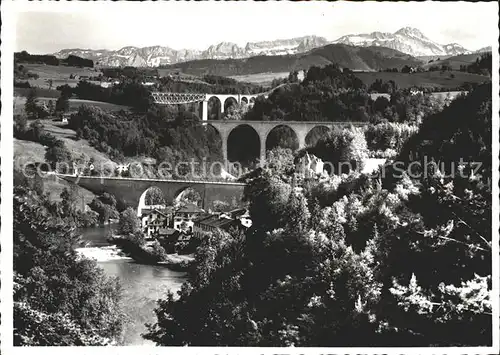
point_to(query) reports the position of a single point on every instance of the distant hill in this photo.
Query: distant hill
(70, 60)
(354, 58)
(456, 61)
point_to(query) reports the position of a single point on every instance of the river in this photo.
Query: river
(142, 284)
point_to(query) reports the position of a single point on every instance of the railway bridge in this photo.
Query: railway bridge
(262, 128)
(132, 191)
(179, 98)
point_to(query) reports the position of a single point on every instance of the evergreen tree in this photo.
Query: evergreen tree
(69, 199)
(62, 103)
(297, 212)
(31, 107)
(315, 212)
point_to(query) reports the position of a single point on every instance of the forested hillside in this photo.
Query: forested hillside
(392, 259)
(332, 94)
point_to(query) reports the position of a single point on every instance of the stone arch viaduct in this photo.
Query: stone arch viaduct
(262, 128)
(129, 190)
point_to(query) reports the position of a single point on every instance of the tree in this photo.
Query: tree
(190, 196)
(51, 107)
(154, 196)
(19, 126)
(293, 77)
(62, 103)
(58, 153)
(220, 206)
(105, 211)
(129, 222)
(108, 199)
(406, 69)
(69, 199)
(298, 213)
(31, 107)
(315, 213)
(37, 130)
(158, 252)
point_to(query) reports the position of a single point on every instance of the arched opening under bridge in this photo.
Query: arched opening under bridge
(316, 134)
(214, 108)
(282, 136)
(243, 145)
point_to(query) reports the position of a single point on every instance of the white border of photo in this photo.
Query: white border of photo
(9, 12)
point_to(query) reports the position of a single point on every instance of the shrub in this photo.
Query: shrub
(388, 135)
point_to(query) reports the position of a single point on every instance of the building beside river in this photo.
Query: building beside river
(156, 220)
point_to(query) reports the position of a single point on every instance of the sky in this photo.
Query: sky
(47, 27)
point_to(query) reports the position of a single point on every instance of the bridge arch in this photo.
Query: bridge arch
(244, 100)
(282, 135)
(192, 194)
(315, 133)
(214, 107)
(229, 102)
(244, 142)
(143, 199)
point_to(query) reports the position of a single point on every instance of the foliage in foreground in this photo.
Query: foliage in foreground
(396, 261)
(59, 297)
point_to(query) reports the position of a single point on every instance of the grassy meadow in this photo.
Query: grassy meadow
(58, 74)
(27, 152)
(446, 80)
(263, 79)
(74, 104)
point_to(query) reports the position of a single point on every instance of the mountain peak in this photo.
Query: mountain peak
(411, 32)
(408, 40)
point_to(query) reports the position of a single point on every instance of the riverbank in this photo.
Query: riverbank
(147, 254)
(142, 284)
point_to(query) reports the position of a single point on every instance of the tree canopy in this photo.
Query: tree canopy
(388, 260)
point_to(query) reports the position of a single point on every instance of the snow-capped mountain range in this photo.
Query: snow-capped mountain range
(407, 40)
(158, 55)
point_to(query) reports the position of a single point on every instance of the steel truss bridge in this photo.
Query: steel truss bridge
(174, 98)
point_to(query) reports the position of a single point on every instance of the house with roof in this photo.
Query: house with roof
(245, 219)
(212, 222)
(154, 220)
(122, 169)
(240, 214)
(184, 216)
